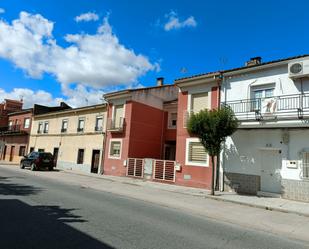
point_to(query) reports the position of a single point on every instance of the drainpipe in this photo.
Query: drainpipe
(222, 161)
(101, 171)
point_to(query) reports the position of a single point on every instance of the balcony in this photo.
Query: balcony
(13, 129)
(284, 107)
(115, 125)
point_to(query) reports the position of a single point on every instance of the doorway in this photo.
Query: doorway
(95, 161)
(170, 150)
(4, 153)
(271, 171)
(55, 154)
(12, 153)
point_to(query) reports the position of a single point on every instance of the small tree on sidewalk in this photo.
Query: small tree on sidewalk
(212, 127)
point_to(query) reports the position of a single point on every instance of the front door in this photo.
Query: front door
(55, 154)
(12, 153)
(271, 171)
(4, 153)
(95, 161)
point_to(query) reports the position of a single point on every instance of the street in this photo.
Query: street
(38, 212)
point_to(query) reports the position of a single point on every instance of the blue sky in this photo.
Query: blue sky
(141, 40)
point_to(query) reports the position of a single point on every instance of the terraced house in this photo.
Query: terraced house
(74, 136)
(269, 154)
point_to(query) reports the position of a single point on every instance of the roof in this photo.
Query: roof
(244, 67)
(127, 91)
(21, 112)
(73, 110)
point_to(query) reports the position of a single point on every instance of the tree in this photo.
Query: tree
(212, 127)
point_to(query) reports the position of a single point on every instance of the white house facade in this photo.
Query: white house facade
(269, 154)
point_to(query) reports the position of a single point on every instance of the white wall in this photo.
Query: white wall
(242, 152)
(237, 87)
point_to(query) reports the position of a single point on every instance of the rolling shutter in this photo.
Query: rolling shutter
(199, 102)
(197, 152)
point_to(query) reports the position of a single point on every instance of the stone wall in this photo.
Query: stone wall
(295, 190)
(241, 183)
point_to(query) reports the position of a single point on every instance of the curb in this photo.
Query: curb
(268, 208)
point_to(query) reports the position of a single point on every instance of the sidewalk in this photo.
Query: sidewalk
(267, 203)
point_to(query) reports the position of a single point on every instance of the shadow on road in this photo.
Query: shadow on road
(25, 226)
(9, 188)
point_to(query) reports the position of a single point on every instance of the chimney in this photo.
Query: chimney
(254, 61)
(160, 81)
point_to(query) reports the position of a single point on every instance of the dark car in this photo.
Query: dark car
(38, 160)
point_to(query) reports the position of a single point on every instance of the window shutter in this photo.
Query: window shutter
(199, 102)
(305, 165)
(197, 152)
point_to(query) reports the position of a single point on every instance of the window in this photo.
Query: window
(22, 150)
(99, 123)
(80, 156)
(41, 150)
(45, 127)
(81, 125)
(26, 123)
(199, 102)
(118, 115)
(259, 93)
(172, 120)
(196, 153)
(40, 127)
(305, 165)
(115, 149)
(64, 126)
(10, 125)
(31, 149)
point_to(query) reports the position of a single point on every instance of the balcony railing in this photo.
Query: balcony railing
(13, 129)
(98, 128)
(115, 125)
(276, 107)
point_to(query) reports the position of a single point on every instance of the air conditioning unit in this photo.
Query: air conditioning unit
(299, 69)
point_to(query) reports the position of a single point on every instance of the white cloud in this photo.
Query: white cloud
(30, 97)
(2, 10)
(91, 61)
(174, 22)
(87, 17)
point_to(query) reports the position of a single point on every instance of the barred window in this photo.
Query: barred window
(305, 165)
(196, 153)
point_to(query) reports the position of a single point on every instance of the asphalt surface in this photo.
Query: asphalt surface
(40, 213)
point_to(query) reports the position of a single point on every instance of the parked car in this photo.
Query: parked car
(38, 160)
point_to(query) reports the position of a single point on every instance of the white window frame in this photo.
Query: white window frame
(110, 147)
(28, 123)
(79, 119)
(44, 125)
(189, 163)
(62, 122)
(96, 121)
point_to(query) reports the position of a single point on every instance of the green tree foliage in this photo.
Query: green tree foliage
(212, 127)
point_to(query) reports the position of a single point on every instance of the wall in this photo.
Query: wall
(116, 166)
(243, 157)
(69, 142)
(194, 176)
(237, 87)
(147, 132)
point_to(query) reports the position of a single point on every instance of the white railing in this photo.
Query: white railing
(164, 170)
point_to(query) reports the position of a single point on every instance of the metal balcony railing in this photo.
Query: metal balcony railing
(115, 125)
(276, 107)
(13, 129)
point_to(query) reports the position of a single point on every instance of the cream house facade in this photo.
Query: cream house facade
(75, 137)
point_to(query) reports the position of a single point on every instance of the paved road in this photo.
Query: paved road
(41, 213)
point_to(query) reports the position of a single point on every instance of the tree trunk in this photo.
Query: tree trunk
(217, 171)
(212, 175)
